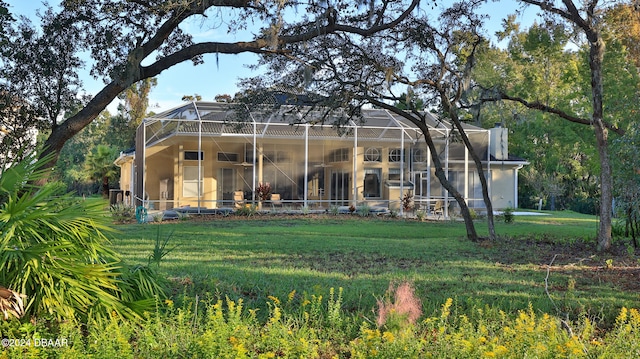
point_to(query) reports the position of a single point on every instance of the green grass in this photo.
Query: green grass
(271, 256)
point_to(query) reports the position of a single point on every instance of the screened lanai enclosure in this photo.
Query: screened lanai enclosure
(210, 156)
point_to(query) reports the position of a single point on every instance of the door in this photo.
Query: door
(226, 186)
(422, 189)
(339, 188)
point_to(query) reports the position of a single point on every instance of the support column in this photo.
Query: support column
(306, 165)
(402, 159)
(355, 166)
(446, 173)
(466, 175)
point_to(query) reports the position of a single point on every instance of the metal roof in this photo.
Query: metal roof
(224, 119)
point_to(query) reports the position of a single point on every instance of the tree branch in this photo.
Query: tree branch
(545, 108)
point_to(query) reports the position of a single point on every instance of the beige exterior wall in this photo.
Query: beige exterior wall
(502, 187)
(283, 166)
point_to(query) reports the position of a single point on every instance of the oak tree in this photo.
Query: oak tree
(129, 41)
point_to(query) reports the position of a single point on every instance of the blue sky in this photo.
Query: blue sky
(211, 79)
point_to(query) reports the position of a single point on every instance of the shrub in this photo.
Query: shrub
(508, 215)
(364, 210)
(334, 210)
(263, 191)
(53, 249)
(407, 202)
(247, 210)
(122, 213)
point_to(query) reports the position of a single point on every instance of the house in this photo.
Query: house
(211, 156)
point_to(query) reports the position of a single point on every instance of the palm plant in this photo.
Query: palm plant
(53, 249)
(99, 166)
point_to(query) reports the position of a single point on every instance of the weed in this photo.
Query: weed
(421, 214)
(608, 264)
(400, 307)
(160, 249)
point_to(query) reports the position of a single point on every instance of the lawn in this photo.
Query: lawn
(547, 262)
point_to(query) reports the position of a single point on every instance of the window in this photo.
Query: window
(277, 157)
(227, 157)
(190, 181)
(419, 155)
(372, 183)
(372, 154)
(340, 155)
(248, 154)
(193, 155)
(395, 155)
(394, 174)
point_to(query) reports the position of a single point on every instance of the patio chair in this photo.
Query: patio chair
(238, 199)
(275, 200)
(438, 208)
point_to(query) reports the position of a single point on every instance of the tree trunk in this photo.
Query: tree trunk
(69, 128)
(596, 55)
(444, 181)
(479, 169)
(105, 187)
(417, 119)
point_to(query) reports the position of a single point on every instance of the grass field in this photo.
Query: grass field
(546, 261)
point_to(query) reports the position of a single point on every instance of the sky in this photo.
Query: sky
(221, 76)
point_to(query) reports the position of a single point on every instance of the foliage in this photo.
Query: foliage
(594, 106)
(53, 249)
(407, 202)
(40, 67)
(508, 215)
(42, 60)
(626, 166)
(247, 210)
(364, 210)
(263, 191)
(160, 249)
(334, 210)
(310, 326)
(122, 213)
(99, 166)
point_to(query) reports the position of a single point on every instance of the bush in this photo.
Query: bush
(122, 213)
(53, 250)
(247, 210)
(508, 215)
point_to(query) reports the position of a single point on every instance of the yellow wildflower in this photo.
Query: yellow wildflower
(274, 299)
(388, 336)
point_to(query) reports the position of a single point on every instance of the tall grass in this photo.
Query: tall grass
(301, 326)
